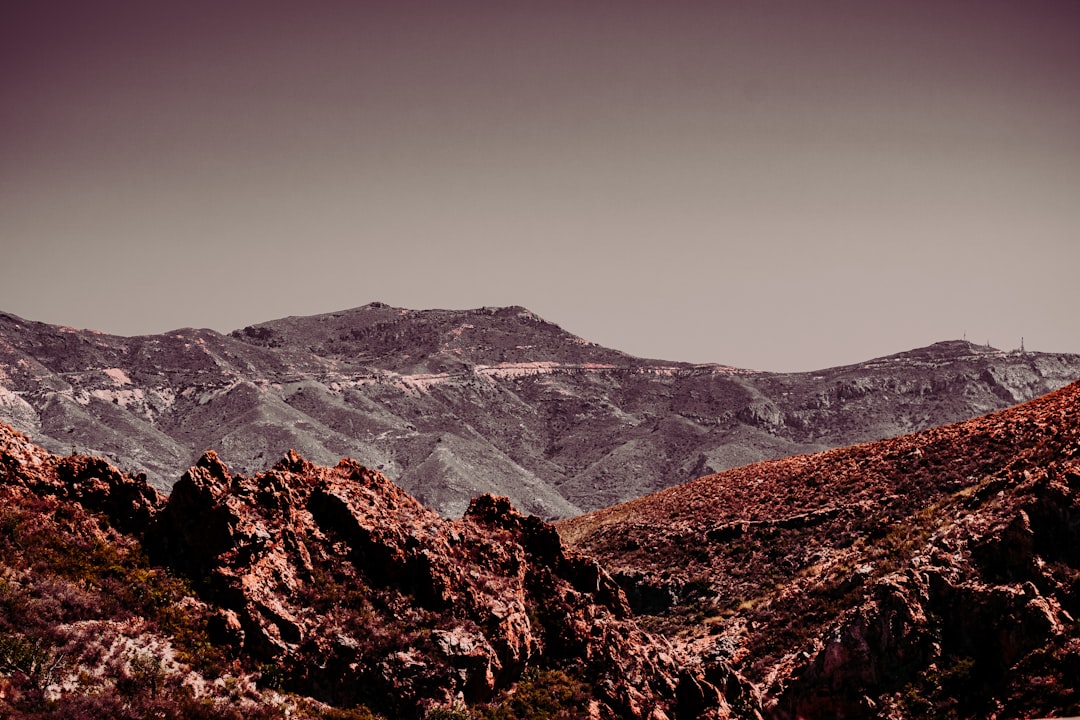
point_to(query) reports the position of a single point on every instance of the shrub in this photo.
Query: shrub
(455, 712)
(543, 695)
(34, 659)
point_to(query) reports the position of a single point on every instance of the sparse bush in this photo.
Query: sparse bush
(454, 712)
(697, 587)
(145, 675)
(543, 695)
(32, 658)
(357, 713)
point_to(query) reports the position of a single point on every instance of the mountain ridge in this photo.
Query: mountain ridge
(457, 403)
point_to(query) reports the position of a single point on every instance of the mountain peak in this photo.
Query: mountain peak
(943, 351)
(432, 341)
(956, 348)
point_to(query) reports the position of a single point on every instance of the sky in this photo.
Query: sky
(774, 184)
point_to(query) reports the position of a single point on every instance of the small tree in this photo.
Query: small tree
(34, 660)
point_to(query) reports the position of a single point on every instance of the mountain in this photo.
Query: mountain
(931, 575)
(307, 592)
(453, 404)
(935, 574)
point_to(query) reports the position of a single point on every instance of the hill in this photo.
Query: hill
(930, 575)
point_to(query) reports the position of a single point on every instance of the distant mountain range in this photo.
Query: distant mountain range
(452, 404)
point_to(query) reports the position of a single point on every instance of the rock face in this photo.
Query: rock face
(455, 404)
(932, 575)
(335, 586)
(436, 610)
(128, 503)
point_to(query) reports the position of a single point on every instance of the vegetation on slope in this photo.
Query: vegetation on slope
(872, 579)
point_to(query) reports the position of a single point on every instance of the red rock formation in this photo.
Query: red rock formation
(128, 503)
(363, 595)
(335, 585)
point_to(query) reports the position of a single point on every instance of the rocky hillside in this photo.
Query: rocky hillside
(455, 404)
(931, 575)
(308, 592)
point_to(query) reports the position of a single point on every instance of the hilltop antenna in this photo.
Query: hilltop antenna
(1021, 343)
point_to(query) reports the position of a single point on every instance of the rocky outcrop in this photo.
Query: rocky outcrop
(129, 503)
(361, 595)
(935, 574)
(960, 631)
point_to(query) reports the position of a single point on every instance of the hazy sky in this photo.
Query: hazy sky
(778, 185)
